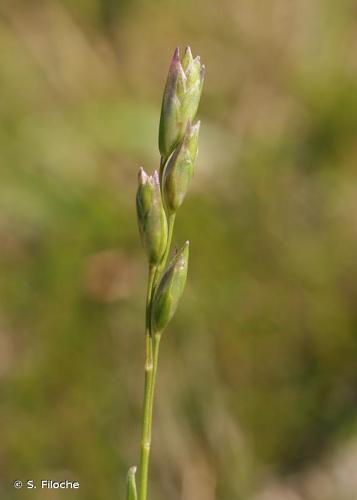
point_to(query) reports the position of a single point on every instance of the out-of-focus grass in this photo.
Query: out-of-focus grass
(258, 375)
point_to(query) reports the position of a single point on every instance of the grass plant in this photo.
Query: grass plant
(158, 199)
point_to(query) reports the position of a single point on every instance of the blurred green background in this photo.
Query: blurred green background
(257, 390)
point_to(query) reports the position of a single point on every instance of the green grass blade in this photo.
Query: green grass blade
(131, 493)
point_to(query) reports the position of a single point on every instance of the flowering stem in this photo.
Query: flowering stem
(149, 372)
(151, 364)
(157, 200)
(150, 379)
(157, 338)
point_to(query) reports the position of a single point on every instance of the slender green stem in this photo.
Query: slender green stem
(157, 338)
(149, 403)
(149, 370)
(151, 363)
